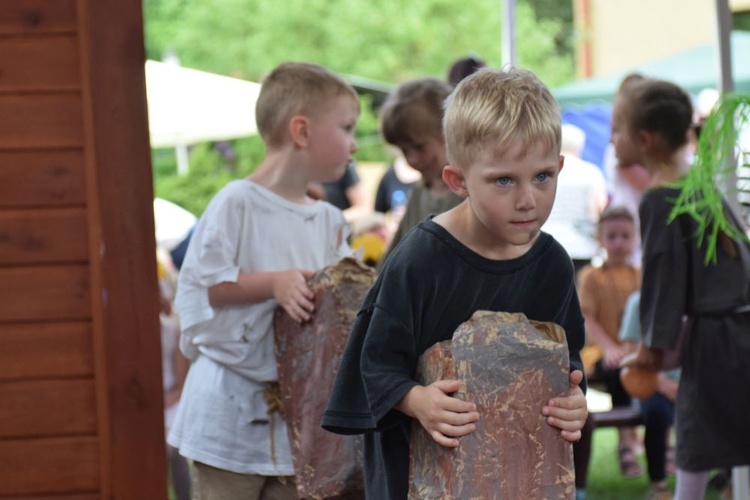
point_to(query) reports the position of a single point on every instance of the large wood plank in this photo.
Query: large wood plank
(34, 64)
(48, 466)
(40, 121)
(47, 408)
(43, 236)
(37, 16)
(44, 293)
(46, 350)
(120, 186)
(42, 178)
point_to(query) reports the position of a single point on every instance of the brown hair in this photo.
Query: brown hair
(614, 213)
(295, 88)
(463, 67)
(662, 107)
(414, 107)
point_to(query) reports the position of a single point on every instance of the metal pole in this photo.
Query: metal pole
(509, 33)
(723, 42)
(725, 84)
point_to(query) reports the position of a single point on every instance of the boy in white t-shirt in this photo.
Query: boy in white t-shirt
(258, 241)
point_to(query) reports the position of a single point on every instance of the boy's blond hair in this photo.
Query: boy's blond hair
(492, 110)
(295, 88)
(414, 108)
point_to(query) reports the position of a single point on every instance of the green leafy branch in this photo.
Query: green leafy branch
(715, 162)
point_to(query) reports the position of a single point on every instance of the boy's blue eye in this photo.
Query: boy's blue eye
(542, 177)
(503, 181)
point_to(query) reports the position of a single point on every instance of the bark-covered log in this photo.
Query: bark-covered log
(509, 367)
(308, 354)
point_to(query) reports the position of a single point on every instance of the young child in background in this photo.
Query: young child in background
(253, 249)
(412, 120)
(488, 253)
(650, 127)
(603, 292)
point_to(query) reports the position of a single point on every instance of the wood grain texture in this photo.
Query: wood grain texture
(40, 121)
(48, 178)
(27, 17)
(47, 408)
(39, 64)
(43, 236)
(44, 293)
(46, 350)
(509, 367)
(49, 466)
(125, 294)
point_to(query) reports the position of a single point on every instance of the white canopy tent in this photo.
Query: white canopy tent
(186, 106)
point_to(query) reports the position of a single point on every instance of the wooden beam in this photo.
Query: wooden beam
(122, 250)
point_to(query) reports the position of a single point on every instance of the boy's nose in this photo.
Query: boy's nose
(525, 199)
(354, 147)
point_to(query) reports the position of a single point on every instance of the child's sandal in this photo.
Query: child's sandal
(629, 466)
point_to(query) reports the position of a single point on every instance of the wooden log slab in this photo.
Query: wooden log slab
(509, 367)
(308, 354)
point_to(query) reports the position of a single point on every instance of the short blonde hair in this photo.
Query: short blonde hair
(295, 88)
(414, 107)
(492, 110)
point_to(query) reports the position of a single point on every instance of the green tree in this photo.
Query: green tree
(388, 40)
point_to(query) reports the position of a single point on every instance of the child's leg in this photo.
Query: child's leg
(627, 437)
(690, 485)
(280, 488)
(179, 472)
(582, 453)
(658, 413)
(210, 483)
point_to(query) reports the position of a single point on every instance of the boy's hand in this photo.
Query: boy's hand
(568, 413)
(291, 291)
(444, 417)
(645, 357)
(612, 356)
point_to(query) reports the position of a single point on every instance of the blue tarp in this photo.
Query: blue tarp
(594, 120)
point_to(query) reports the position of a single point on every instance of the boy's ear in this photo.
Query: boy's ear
(561, 163)
(299, 129)
(454, 178)
(648, 140)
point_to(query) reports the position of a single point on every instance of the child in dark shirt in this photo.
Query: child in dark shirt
(502, 132)
(681, 278)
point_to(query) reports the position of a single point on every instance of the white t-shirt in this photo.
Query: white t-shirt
(222, 419)
(581, 195)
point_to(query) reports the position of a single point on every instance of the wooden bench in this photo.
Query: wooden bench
(629, 416)
(618, 417)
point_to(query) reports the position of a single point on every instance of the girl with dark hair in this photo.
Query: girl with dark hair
(696, 263)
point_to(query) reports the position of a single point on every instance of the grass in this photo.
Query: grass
(605, 481)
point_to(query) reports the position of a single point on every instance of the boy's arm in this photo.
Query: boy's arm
(445, 418)
(595, 333)
(288, 287)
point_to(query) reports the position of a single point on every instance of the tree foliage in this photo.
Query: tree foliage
(386, 40)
